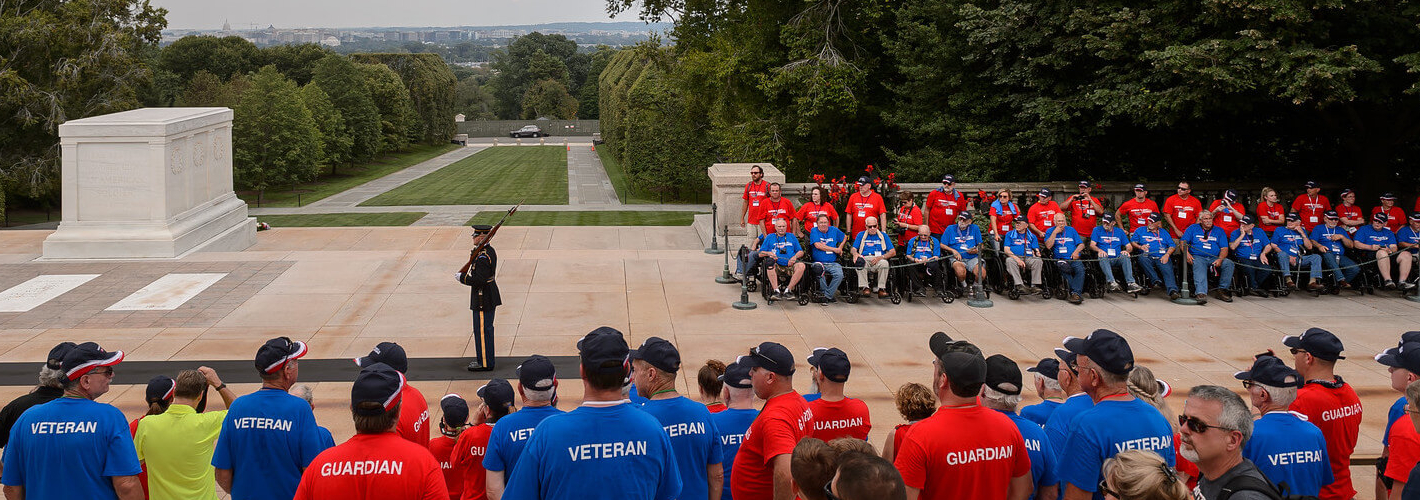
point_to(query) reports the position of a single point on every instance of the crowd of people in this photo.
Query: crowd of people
(1103, 430)
(1277, 247)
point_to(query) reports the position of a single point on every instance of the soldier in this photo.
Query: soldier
(484, 299)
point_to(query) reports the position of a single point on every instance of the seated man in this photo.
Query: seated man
(827, 243)
(1408, 240)
(1065, 246)
(1250, 245)
(1022, 250)
(1292, 243)
(785, 250)
(1208, 250)
(1155, 246)
(962, 241)
(871, 250)
(1376, 242)
(1111, 245)
(1331, 240)
(923, 249)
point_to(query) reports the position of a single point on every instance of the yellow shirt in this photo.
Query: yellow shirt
(177, 447)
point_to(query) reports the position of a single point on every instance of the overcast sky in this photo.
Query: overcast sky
(209, 14)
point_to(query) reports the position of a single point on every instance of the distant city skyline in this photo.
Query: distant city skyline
(205, 14)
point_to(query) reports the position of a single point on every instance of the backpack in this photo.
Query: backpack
(1250, 483)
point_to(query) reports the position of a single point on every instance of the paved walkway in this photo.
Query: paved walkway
(358, 194)
(587, 182)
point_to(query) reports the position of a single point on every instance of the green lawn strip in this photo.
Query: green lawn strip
(342, 220)
(612, 218)
(622, 184)
(536, 175)
(28, 216)
(347, 177)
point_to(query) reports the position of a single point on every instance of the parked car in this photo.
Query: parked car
(528, 131)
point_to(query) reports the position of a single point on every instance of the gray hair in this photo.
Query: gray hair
(738, 394)
(305, 392)
(1281, 396)
(1235, 412)
(999, 400)
(49, 377)
(1050, 383)
(539, 396)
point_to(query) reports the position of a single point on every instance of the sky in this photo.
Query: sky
(209, 14)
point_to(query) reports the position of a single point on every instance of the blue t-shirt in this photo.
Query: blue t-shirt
(267, 438)
(1109, 241)
(1205, 243)
(872, 245)
(1108, 428)
(1251, 246)
(1065, 242)
(70, 448)
(832, 239)
(1021, 244)
(634, 396)
(732, 425)
(1288, 241)
(1289, 450)
(784, 247)
(962, 240)
(326, 439)
(620, 449)
(1407, 235)
(1042, 459)
(694, 439)
(510, 434)
(923, 249)
(1155, 243)
(1057, 428)
(1372, 236)
(1040, 412)
(1397, 410)
(1320, 236)
(809, 398)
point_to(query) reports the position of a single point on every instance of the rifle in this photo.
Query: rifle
(486, 239)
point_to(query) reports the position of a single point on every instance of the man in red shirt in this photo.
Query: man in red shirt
(1042, 213)
(1311, 206)
(496, 402)
(1182, 209)
(1403, 448)
(964, 450)
(777, 207)
(414, 412)
(1137, 209)
(863, 204)
(1084, 209)
(756, 190)
(376, 464)
(453, 423)
(1328, 402)
(1396, 214)
(943, 206)
(761, 469)
(1227, 212)
(835, 415)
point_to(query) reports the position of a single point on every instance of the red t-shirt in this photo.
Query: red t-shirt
(1311, 209)
(413, 416)
(1182, 464)
(861, 207)
(468, 460)
(1228, 221)
(1042, 214)
(899, 433)
(369, 466)
(441, 447)
(940, 459)
(716, 407)
(1182, 212)
(785, 420)
(1404, 450)
(1350, 212)
(943, 209)
(142, 476)
(835, 419)
(754, 193)
(1337, 412)
(809, 212)
(770, 210)
(1082, 215)
(1005, 215)
(1397, 217)
(1271, 211)
(1138, 212)
(909, 217)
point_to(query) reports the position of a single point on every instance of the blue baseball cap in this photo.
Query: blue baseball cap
(160, 388)
(771, 356)
(1230, 194)
(1044, 193)
(275, 353)
(1293, 217)
(388, 353)
(455, 409)
(1406, 356)
(736, 374)
(1247, 220)
(1156, 217)
(83, 358)
(1047, 367)
(1140, 187)
(1105, 348)
(1312, 185)
(1317, 342)
(1388, 197)
(1002, 375)
(1267, 369)
(658, 352)
(1331, 214)
(55, 360)
(497, 393)
(1107, 217)
(604, 350)
(378, 383)
(832, 362)
(949, 179)
(1380, 217)
(863, 180)
(537, 373)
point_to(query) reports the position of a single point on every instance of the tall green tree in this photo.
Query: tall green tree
(207, 90)
(473, 101)
(297, 62)
(275, 141)
(397, 120)
(335, 139)
(225, 56)
(431, 87)
(345, 84)
(549, 98)
(513, 67)
(587, 95)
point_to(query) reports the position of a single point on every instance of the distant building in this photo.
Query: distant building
(458, 118)
(330, 41)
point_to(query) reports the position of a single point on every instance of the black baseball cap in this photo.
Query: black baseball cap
(1044, 193)
(659, 353)
(1317, 342)
(1107, 217)
(482, 229)
(1002, 375)
(274, 354)
(83, 358)
(1086, 184)
(1312, 185)
(863, 180)
(1406, 355)
(1415, 216)
(1230, 195)
(1247, 219)
(1347, 191)
(1380, 217)
(537, 373)
(1294, 217)
(832, 362)
(1388, 196)
(1140, 187)
(1046, 367)
(604, 350)
(455, 409)
(736, 374)
(961, 361)
(1267, 369)
(1156, 217)
(1022, 218)
(55, 360)
(1068, 358)
(949, 179)
(497, 393)
(377, 383)
(1331, 214)
(160, 388)
(1106, 349)
(770, 356)
(388, 353)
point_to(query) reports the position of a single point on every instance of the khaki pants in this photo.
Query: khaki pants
(1032, 262)
(882, 269)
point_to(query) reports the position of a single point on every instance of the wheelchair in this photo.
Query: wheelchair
(851, 286)
(817, 295)
(996, 276)
(800, 290)
(916, 282)
(1096, 286)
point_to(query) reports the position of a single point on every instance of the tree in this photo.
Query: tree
(397, 120)
(348, 91)
(206, 90)
(588, 94)
(513, 68)
(473, 101)
(431, 84)
(225, 57)
(275, 141)
(549, 98)
(335, 139)
(297, 62)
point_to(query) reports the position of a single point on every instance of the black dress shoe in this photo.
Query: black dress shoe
(477, 366)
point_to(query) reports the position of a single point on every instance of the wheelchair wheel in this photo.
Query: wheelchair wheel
(752, 286)
(804, 298)
(1013, 294)
(948, 296)
(895, 298)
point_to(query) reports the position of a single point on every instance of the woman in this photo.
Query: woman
(1003, 211)
(1271, 214)
(909, 217)
(915, 402)
(1351, 215)
(1141, 475)
(818, 205)
(710, 385)
(159, 397)
(1143, 385)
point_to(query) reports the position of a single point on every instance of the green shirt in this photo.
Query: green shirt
(177, 447)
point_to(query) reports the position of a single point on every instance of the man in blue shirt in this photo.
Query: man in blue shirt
(1022, 250)
(623, 450)
(1047, 388)
(74, 447)
(269, 435)
(1376, 242)
(1065, 246)
(1208, 250)
(1155, 248)
(963, 244)
(1002, 393)
(537, 387)
(1408, 241)
(1331, 241)
(785, 250)
(1250, 246)
(871, 250)
(694, 440)
(1057, 427)
(1286, 448)
(1291, 242)
(734, 421)
(1111, 245)
(925, 251)
(827, 243)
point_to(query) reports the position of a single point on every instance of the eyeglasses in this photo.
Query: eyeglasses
(106, 373)
(1105, 490)
(755, 172)
(1295, 350)
(828, 491)
(1249, 384)
(1196, 425)
(873, 225)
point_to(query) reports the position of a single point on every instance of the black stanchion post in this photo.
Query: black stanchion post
(744, 304)
(725, 278)
(1186, 295)
(714, 221)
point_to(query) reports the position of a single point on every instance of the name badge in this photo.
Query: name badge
(862, 213)
(1182, 214)
(1252, 257)
(1227, 218)
(1091, 212)
(1047, 223)
(1312, 218)
(947, 211)
(756, 202)
(1111, 252)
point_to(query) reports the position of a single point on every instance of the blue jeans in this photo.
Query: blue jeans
(834, 271)
(1107, 265)
(1341, 264)
(1073, 272)
(1201, 263)
(1158, 271)
(1312, 262)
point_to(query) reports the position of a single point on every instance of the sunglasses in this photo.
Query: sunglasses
(1105, 490)
(1196, 425)
(828, 491)
(1295, 350)
(873, 225)
(104, 373)
(1184, 189)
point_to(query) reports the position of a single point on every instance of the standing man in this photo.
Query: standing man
(1047, 388)
(1208, 250)
(734, 422)
(863, 205)
(1002, 393)
(484, 298)
(1057, 427)
(414, 411)
(761, 468)
(835, 415)
(1402, 444)
(1311, 206)
(1215, 425)
(1286, 448)
(495, 401)
(1227, 212)
(1155, 248)
(694, 440)
(1138, 209)
(1042, 213)
(1084, 209)
(1182, 209)
(1328, 402)
(452, 423)
(73, 446)
(756, 190)
(944, 205)
(176, 446)
(1350, 213)
(537, 388)
(777, 208)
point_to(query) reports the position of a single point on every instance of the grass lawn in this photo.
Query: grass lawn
(347, 177)
(497, 175)
(26, 216)
(342, 220)
(617, 218)
(622, 184)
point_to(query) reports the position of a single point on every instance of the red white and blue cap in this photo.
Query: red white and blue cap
(275, 353)
(377, 383)
(160, 388)
(1388, 196)
(1380, 217)
(83, 358)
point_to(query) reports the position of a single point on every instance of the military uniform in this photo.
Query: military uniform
(483, 300)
